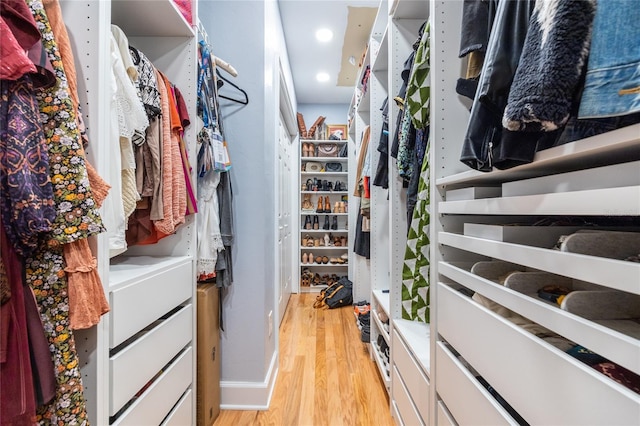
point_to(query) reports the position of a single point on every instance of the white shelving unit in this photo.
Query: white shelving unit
(342, 230)
(138, 364)
(471, 345)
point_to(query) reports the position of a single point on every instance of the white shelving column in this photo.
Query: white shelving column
(537, 381)
(138, 364)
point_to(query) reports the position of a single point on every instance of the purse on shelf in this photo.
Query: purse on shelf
(327, 150)
(312, 166)
(333, 167)
(344, 151)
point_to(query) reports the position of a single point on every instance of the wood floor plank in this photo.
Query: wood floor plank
(326, 376)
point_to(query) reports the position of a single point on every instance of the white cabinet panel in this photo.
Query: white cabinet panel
(134, 366)
(402, 399)
(182, 414)
(416, 382)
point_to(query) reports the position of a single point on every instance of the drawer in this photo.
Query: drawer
(557, 388)
(157, 401)
(467, 400)
(133, 367)
(139, 301)
(444, 416)
(408, 414)
(416, 382)
(182, 414)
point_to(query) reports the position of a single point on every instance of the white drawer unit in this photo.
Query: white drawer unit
(444, 417)
(138, 363)
(157, 401)
(145, 289)
(509, 358)
(182, 414)
(409, 415)
(468, 401)
(414, 378)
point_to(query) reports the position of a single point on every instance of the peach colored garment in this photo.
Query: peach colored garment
(179, 184)
(87, 301)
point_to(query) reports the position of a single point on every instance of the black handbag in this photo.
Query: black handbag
(333, 167)
(336, 295)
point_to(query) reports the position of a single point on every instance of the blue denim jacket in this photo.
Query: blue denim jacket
(612, 85)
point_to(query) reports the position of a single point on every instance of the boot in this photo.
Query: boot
(334, 224)
(302, 128)
(326, 223)
(320, 208)
(316, 222)
(307, 222)
(327, 205)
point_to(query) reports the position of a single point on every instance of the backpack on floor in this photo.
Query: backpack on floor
(336, 295)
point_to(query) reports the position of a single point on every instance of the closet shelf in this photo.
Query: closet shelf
(623, 201)
(318, 214)
(377, 356)
(380, 326)
(416, 336)
(383, 300)
(617, 274)
(126, 14)
(325, 265)
(617, 146)
(381, 61)
(340, 141)
(615, 346)
(324, 192)
(324, 231)
(324, 173)
(323, 248)
(329, 159)
(407, 9)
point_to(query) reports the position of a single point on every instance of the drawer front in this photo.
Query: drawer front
(182, 414)
(412, 375)
(465, 397)
(134, 366)
(157, 401)
(135, 306)
(408, 413)
(512, 359)
(444, 416)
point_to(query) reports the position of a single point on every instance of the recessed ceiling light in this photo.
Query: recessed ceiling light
(324, 34)
(322, 77)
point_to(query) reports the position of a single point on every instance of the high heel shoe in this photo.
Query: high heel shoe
(307, 222)
(305, 149)
(320, 208)
(327, 205)
(305, 258)
(310, 258)
(336, 207)
(311, 150)
(316, 222)
(326, 223)
(334, 224)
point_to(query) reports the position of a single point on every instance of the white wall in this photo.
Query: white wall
(248, 34)
(335, 113)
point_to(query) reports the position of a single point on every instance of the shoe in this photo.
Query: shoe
(326, 223)
(310, 258)
(342, 206)
(337, 242)
(305, 149)
(320, 208)
(330, 186)
(327, 204)
(325, 260)
(334, 224)
(327, 240)
(307, 222)
(312, 150)
(336, 207)
(305, 258)
(306, 203)
(343, 241)
(302, 128)
(316, 223)
(318, 260)
(316, 242)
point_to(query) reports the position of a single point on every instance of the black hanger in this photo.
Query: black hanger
(244, 101)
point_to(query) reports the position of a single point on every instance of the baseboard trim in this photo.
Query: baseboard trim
(249, 395)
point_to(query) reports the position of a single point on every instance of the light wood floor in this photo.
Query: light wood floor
(326, 376)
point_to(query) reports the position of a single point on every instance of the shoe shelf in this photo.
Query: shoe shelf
(324, 231)
(323, 248)
(380, 326)
(335, 265)
(318, 214)
(382, 366)
(324, 173)
(329, 159)
(324, 192)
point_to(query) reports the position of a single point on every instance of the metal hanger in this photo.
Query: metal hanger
(244, 101)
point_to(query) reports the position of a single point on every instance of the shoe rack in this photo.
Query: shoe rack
(324, 206)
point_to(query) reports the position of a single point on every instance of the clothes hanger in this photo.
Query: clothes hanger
(244, 101)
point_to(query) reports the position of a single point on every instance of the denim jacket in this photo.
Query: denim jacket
(612, 85)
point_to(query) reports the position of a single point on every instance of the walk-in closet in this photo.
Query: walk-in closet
(306, 212)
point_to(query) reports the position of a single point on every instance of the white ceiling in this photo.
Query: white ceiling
(307, 56)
